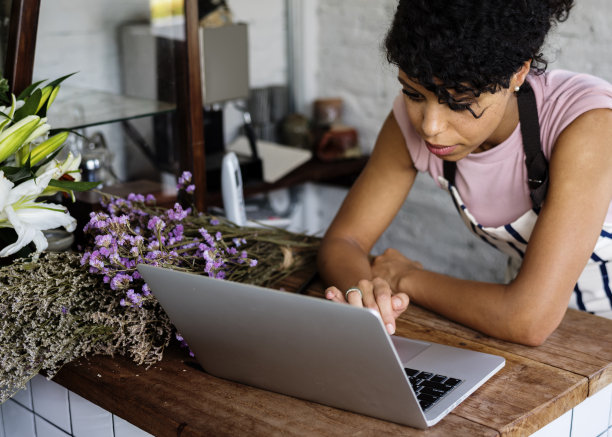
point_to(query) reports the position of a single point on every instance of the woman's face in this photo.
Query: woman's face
(452, 134)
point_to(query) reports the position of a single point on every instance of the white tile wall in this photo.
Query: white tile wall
(46, 429)
(88, 419)
(18, 421)
(1, 423)
(560, 427)
(123, 428)
(50, 401)
(592, 416)
(24, 397)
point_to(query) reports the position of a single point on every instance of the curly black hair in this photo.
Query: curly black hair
(470, 46)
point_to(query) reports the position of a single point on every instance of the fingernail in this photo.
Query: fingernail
(397, 303)
(329, 294)
(390, 328)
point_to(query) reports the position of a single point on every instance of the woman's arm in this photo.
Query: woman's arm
(367, 211)
(531, 307)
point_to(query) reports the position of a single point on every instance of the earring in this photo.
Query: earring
(517, 89)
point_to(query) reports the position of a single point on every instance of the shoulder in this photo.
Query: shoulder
(562, 96)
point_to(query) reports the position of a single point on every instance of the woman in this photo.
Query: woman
(463, 68)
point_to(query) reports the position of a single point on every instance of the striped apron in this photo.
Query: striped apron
(592, 292)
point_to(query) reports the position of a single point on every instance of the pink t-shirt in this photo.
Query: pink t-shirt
(493, 183)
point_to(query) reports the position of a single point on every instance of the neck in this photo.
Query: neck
(507, 125)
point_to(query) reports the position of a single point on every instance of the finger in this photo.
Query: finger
(399, 302)
(367, 288)
(382, 293)
(355, 297)
(334, 294)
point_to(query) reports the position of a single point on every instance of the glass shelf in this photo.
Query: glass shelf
(76, 108)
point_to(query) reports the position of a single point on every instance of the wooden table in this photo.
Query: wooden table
(537, 385)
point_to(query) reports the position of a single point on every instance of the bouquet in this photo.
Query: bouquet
(30, 170)
(60, 307)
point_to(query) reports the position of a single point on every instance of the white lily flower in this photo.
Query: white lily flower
(20, 211)
(69, 166)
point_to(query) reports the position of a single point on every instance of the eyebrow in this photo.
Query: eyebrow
(461, 99)
(404, 83)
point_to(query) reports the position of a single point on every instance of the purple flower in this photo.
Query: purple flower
(253, 263)
(214, 222)
(121, 280)
(190, 189)
(136, 197)
(185, 178)
(155, 223)
(64, 310)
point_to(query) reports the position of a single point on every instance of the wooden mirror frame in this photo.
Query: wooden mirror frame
(19, 67)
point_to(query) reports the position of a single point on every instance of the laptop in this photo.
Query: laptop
(317, 350)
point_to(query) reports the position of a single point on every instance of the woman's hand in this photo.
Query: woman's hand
(391, 266)
(377, 295)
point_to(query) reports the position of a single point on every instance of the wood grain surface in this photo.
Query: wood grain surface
(177, 398)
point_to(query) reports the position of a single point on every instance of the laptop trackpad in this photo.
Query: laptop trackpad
(407, 349)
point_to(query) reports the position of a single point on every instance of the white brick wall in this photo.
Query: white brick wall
(352, 66)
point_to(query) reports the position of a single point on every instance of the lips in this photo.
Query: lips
(440, 150)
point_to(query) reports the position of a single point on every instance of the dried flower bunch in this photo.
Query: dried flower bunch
(64, 306)
(53, 311)
(133, 230)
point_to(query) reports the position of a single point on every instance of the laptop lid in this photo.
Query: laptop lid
(302, 346)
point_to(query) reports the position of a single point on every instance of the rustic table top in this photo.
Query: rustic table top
(176, 397)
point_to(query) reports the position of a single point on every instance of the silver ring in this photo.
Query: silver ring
(346, 293)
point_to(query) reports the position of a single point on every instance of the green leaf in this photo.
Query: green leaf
(30, 106)
(73, 185)
(56, 82)
(5, 95)
(26, 93)
(17, 175)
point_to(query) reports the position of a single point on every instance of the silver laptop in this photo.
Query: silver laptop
(315, 349)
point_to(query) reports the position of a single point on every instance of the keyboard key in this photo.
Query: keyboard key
(438, 378)
(425, 405)
(432, 391)
(427, 398)
(411, 372)
(436, 385)
(452, 382)
(430, 387)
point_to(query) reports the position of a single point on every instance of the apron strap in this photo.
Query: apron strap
(535, 161)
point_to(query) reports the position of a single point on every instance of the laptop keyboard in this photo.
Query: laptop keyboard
(430, 387)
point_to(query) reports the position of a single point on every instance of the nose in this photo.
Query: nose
(433, 119)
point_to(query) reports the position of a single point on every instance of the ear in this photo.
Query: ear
(521, 74)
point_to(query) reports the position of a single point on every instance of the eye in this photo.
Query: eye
(412, 95)
(459, 106)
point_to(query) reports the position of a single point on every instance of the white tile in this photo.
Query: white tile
(1, 423)
(50, 400)
(17, 420)
(24, 396)
(592, 415)
(560, 427)
(45, 429)
(123, 428)
(88, 419)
